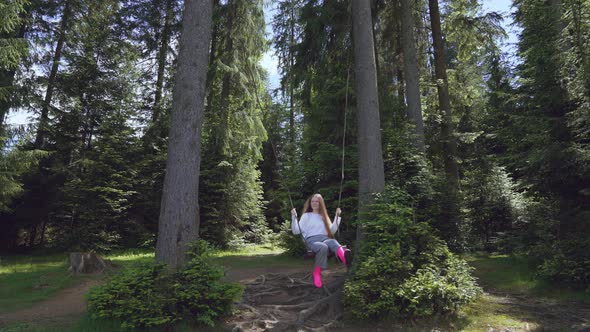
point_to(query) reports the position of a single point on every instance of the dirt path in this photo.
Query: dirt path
(543, 314)
(71, 302)
(279, 298)
(65, 303)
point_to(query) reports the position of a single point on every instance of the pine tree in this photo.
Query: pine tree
(179, 214)
(371, 173)
(13, 48)
(231, 192)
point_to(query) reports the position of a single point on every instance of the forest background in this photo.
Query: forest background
(500, 164)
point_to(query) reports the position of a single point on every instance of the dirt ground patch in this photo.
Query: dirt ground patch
(71, 302)
(290, 302)
(66, 303)
(544, 314)
(284, 299)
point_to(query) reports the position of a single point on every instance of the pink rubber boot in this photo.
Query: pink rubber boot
(341, 256)
(345, 256)
(317, 277)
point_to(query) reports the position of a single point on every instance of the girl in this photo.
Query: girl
(318, 231)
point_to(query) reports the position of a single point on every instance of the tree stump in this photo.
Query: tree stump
(87, 262)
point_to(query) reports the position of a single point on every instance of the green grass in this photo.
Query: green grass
(25, 280)
(514, 274)
(256, 256)
(130, 257)
(19, 275)
(497, 273)
(87, 324)
(484, 314)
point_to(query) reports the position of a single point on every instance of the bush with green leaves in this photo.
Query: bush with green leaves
(293, 244)
(404, 269)
(148, 295)
(569, 263)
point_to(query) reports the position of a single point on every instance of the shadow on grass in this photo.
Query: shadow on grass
(29, 279)
(87, 324)
(259, 260)
(504, 274)
(485, 314)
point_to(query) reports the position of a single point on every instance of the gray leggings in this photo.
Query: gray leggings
(321, 245)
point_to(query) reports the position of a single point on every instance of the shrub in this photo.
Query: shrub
(569, 263)
(147, 295)
(405, 270)
(293, 244)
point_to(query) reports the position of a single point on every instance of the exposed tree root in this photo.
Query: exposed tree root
(290, 302)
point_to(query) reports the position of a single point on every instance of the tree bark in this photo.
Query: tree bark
(411, 74)
(84, 262)
(43, 121)
(179, 213)
(449, 143)
(371, 172)
(162, 56)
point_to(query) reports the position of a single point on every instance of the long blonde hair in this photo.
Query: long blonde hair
(323, 212)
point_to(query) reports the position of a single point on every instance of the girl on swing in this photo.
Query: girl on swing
(318, 232)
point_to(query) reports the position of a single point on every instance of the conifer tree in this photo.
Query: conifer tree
(179, 214)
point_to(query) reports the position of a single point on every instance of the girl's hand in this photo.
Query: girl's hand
(338, 211)
(294, 213)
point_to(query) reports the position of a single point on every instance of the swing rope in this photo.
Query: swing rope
(343, 149)
(341, 162)
(274, 150)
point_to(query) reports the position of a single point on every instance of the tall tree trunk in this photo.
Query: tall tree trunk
(42, 237)
(43, 121)
(162, 56)
(179, 213)
(411, 73)
(371, 172)
(32, 236)
(449, 143)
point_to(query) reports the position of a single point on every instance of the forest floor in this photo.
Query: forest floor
(278, 291)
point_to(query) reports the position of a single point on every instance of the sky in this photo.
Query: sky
(270, 62)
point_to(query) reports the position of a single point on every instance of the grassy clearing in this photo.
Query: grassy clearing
(486, 313)
(482, 315)
(516, 275)
(29, 279)
(88, 324)
(257, 256)
(19, 275)
(497, 273)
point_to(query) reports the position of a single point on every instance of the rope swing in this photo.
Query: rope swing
(310, 253)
